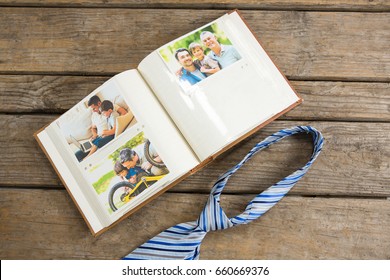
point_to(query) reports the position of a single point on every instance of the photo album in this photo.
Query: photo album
(144, 130)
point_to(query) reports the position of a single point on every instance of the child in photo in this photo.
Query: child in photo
(107, 109)
(132, 175)
(206, 64)
(120, 170)
(135, 175)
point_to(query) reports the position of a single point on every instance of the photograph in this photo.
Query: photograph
(199, 55)
(127, 172)
(96, 121)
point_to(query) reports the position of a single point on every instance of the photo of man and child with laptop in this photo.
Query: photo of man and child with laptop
(95, 122)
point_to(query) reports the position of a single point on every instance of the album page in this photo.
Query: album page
(217, 84)
(116, 154)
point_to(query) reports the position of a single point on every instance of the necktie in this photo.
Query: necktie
(183, 240)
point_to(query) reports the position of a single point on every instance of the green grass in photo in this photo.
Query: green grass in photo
(103, 183)
(168, 52)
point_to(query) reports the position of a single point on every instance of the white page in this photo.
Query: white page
(224, 106)
(156, 123)
(68, 176)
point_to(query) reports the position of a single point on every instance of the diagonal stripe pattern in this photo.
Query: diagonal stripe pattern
(183, 240)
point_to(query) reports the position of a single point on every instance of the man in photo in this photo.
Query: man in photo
(189, 73)
(131, 158)
(224, 54)
(94, 103)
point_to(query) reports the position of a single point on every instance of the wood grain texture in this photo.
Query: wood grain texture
(323, 100)
(53, 53)
(38, 224)
(306, 45)
(333, 5)
(48, 94)
(354, 160)
(342, 101)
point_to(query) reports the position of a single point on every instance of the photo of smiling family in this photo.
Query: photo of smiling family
(96, 121)
(199, 55)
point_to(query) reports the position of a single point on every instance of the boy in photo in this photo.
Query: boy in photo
(107, 109)
(120, 170)
(132, 175)
(206, 64)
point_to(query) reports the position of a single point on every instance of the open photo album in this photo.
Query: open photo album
(146, 129)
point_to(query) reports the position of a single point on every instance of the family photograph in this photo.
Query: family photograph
(199, 55)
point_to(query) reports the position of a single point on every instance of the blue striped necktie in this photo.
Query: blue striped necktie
(183, 240)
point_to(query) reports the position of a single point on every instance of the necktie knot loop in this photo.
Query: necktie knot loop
(268, 198)
(213, 217)
(183, 241)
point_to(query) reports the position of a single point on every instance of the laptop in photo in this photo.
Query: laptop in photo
(85, 146)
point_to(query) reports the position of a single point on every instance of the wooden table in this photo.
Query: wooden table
(335, 53)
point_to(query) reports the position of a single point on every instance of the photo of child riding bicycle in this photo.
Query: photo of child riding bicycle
(133, 175)
(129, 170)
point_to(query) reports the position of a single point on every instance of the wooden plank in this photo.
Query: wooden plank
(38, 224)
(310, 228)
(306, 45)
(36, 93)
(22, 148)
(323, 100)
(354, 160)
(333, 5)
(342, 101)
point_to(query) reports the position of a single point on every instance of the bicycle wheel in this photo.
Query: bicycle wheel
(150, 158)
(117, 194)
